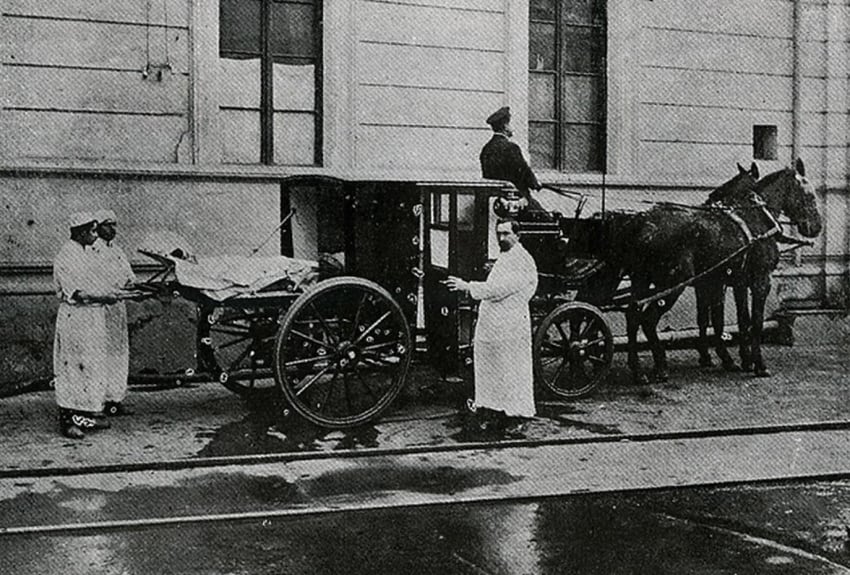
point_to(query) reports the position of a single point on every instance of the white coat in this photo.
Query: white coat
(504, 379)
(80, 342)
(116, 273)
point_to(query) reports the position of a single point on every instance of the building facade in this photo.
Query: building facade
(183, 115)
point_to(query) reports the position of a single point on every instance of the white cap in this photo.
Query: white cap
(105, 216)
(78, 219)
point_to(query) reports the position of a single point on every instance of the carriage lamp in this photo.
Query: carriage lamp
(509, 203)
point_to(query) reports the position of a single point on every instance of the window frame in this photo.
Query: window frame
(559, 75)
(267, 60)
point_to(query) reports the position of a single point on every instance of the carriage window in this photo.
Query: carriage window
(270, 81)
(764, 143)
(567, 72)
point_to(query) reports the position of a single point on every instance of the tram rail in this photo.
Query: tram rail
(259, 459)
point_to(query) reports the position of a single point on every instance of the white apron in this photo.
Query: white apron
(504, 379)
(80, 342)
(116, 272)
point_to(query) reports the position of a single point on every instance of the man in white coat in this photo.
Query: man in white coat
(116, 272)
(79, 346)
(504, 380)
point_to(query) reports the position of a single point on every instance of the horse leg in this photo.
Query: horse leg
(761, 290)
(632, 324)
(717, 303)
(702, 324)
(742, 310)
(649, 322)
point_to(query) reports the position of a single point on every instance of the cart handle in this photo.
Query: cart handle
(273, 232)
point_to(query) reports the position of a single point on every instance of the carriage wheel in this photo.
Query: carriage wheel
(240, 343)
(342, 354)
(573, 349)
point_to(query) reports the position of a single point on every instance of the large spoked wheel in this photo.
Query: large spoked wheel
(343, 352)
(573, 349)
(238, 348)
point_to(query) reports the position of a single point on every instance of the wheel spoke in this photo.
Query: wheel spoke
(313, 380)
(333, 337)
(586, 328)
(379, 361)
(551, 346)
(357, 316)
(232, 342)
(596, 360)
(560, 372)
(327, 396)
(232, 331)
(312, 339)
(240, 357)
(372, 327)
(378, 346)
(295, 362)
(347, 390)
(564, 335)
(366, 386)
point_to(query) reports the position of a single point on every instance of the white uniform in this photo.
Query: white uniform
(80, 342)
(116, 272)
(504, 378)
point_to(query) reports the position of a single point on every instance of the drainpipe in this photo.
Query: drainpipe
(796, 82)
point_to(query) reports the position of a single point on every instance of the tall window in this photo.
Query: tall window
(270, 81)
(567, 48)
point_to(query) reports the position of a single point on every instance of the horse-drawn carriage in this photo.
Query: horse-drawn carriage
(337, 341)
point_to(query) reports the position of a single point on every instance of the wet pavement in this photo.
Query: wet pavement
(591, 535)
(334, 501)
(810, 384)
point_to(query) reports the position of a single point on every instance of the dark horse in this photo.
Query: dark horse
(785, 192)
(662, 251)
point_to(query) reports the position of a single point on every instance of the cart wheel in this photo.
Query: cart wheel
(573, 349)
(240, 345)
(343, 352)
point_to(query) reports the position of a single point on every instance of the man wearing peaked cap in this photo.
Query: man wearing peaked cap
(79, 346)
(116, 272)
(502, 159)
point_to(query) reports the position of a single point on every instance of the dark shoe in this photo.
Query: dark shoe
(100, 422)
(516, 431)
(116, 409)
(71, 431)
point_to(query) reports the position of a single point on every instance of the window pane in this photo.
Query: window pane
(294, 87)
(541, 96)
(239, 26)
(541, 52)
(541, 144)
(292, 29)
(240, 136)
(583, 50)
(294, 139)
(239, 83)
(581, 99)
(584, 11)
(582, 148)
(542, 10)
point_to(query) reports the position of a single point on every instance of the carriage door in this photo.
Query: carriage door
(456, 228)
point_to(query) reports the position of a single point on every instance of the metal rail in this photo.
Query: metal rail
(154, 522)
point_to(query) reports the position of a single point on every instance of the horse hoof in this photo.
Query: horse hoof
(762, 372)
(730, 367)
(661, 376)
(640, 380)
(745, 366)
(705, 362)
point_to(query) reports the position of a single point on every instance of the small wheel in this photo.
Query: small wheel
(239, 348)
(573, 349)
(342, 354)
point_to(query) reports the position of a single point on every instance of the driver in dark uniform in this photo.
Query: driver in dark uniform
(502, 159)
